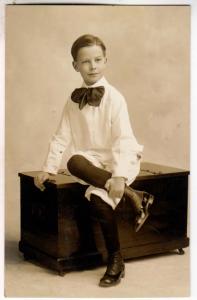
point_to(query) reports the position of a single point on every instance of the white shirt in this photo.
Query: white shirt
(102, 132)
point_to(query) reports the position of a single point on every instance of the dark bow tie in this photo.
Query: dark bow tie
(92, 96)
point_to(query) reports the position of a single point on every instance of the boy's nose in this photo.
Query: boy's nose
(93, 65)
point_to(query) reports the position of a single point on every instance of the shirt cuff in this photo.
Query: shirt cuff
(120, 172)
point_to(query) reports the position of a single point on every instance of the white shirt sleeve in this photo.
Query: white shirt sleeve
(126, 152)
(59, 142)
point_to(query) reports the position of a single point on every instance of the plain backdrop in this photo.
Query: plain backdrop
(148, 61)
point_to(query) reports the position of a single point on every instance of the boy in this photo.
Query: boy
(104, 153)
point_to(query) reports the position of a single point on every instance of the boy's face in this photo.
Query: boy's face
(91, 63)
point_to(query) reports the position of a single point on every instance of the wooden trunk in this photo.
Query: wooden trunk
(57, 229)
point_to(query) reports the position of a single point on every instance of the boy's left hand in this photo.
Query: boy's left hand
(115, 187)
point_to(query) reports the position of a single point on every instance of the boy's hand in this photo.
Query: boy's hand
(115, 187)
(40, 179)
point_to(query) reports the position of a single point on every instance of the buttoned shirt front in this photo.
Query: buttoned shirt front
(102, 132)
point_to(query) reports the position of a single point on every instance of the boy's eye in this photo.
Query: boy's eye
(87, 61)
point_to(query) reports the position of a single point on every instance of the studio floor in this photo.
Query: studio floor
(164, 275)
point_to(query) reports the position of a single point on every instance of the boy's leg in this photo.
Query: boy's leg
(82, 168)
(104, 213)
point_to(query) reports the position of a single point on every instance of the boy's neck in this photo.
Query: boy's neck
(101, 81)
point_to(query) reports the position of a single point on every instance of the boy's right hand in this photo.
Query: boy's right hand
(40, 179)
(115, 187)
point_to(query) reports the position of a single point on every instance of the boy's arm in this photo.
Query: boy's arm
(126, 152)
(58, 144)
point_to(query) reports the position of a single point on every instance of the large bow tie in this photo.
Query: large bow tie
(92, 96)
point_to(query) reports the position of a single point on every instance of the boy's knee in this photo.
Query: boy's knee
(73, 162)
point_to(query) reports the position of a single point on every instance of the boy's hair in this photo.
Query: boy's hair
(84, 41)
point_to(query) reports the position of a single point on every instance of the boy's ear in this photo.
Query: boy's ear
(105, 59)
(75, 66)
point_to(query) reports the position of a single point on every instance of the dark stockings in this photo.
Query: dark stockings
(107, 219)
(82, 168)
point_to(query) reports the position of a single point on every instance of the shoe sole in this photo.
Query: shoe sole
(138, 227)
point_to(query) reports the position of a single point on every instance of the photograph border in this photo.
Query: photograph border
(193, 122)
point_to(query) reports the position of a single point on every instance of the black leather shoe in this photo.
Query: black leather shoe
(115, 271)
(141, 201)
(144, 213)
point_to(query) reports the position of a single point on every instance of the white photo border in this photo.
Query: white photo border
(193, 118)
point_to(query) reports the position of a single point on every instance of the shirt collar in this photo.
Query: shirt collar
(101, 82)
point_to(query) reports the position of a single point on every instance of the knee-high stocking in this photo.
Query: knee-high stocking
(106, 217)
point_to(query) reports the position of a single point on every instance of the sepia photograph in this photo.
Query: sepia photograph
(97, 150)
